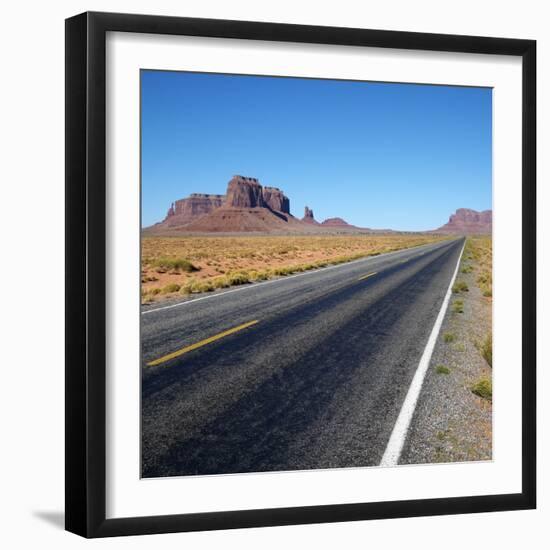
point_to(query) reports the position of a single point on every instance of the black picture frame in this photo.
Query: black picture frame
(86, 284)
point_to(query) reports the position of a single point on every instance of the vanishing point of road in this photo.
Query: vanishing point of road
(308, 371)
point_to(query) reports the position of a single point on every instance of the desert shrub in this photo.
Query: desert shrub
(449, 337)
(485, 282)
(283, 271)
(221, 282)
(262, 275)
(186, 287)
(486, 348)
(458, 306)
(460, 286)
(200, 286)
(238, 278)
(483, 388)
(170, 288)
(442, 369)
(174, 264)
(195, 286)
(484, 278)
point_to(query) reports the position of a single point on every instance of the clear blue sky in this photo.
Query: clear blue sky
(379, 155)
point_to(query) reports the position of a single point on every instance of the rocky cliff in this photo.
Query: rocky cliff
(243, 192)
(275, 199)
(467, 221)
(186, 210)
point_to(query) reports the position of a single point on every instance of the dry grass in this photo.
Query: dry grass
(486, 349)
(479, 250)
(478, 258)
(458, 306)
(460, 286)
(202, 264)
(163, 264)
(483, 388)
(449, 337)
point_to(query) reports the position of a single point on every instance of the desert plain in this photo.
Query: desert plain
(172, 266)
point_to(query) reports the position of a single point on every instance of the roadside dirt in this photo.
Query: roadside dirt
(452, 423)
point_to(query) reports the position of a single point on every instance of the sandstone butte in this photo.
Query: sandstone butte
(248, 206)
(467, 221)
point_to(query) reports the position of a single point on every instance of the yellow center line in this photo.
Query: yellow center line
(367, 275)
(204, 342)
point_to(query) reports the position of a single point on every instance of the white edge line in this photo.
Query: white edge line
(399, 433)
(255, 285)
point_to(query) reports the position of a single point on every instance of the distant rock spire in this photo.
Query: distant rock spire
(308, 215)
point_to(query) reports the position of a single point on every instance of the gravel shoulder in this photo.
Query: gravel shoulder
(451, 423)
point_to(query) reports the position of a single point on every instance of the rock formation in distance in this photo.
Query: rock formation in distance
(308, 216)
(467, 221)
(184, 211)
(243, 192)
(336, 222)
(247, 206)
(276, 200)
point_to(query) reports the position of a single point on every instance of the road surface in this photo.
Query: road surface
(303, 372)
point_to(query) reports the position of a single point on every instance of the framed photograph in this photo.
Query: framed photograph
(300, 274)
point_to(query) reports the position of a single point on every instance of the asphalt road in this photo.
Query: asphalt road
(312, 373)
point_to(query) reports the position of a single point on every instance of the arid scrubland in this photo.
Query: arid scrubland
(172, 266)
(479, 250)
(477, 264)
